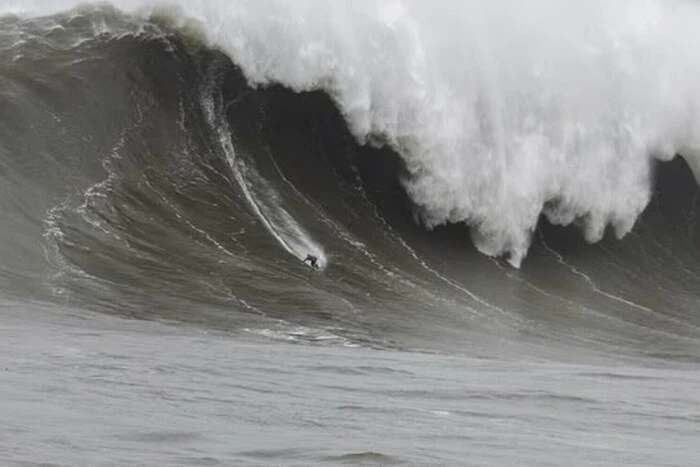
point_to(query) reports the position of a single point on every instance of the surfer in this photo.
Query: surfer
(312, 260)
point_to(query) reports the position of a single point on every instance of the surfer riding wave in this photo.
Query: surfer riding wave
(313, 261)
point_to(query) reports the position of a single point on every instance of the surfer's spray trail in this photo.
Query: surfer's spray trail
(261, 196)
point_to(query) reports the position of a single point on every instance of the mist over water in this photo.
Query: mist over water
(165, 168)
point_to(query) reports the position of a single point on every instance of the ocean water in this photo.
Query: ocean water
(503, 200)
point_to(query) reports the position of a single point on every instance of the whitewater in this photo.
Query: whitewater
(502, 111)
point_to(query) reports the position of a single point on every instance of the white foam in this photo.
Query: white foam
(497, 106)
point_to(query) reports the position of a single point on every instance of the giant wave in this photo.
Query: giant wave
(179, 162)
(502, 111)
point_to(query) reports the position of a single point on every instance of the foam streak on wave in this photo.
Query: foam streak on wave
(502, 110)
(262, 198)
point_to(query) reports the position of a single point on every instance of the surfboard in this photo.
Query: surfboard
(317, 267)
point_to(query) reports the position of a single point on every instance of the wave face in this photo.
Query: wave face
(502, 111)
(179, 164)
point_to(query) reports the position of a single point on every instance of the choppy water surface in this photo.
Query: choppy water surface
(97, 391)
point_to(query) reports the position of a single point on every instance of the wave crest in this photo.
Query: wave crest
(502, 111)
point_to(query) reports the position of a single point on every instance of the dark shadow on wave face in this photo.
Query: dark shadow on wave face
(670, 215)
(650, 278)
(311, 144)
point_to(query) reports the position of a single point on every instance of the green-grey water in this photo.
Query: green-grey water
(154, 309)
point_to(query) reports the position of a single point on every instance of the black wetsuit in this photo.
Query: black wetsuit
(313, 261)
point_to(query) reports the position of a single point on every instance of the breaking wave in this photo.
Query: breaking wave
(209, 147)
